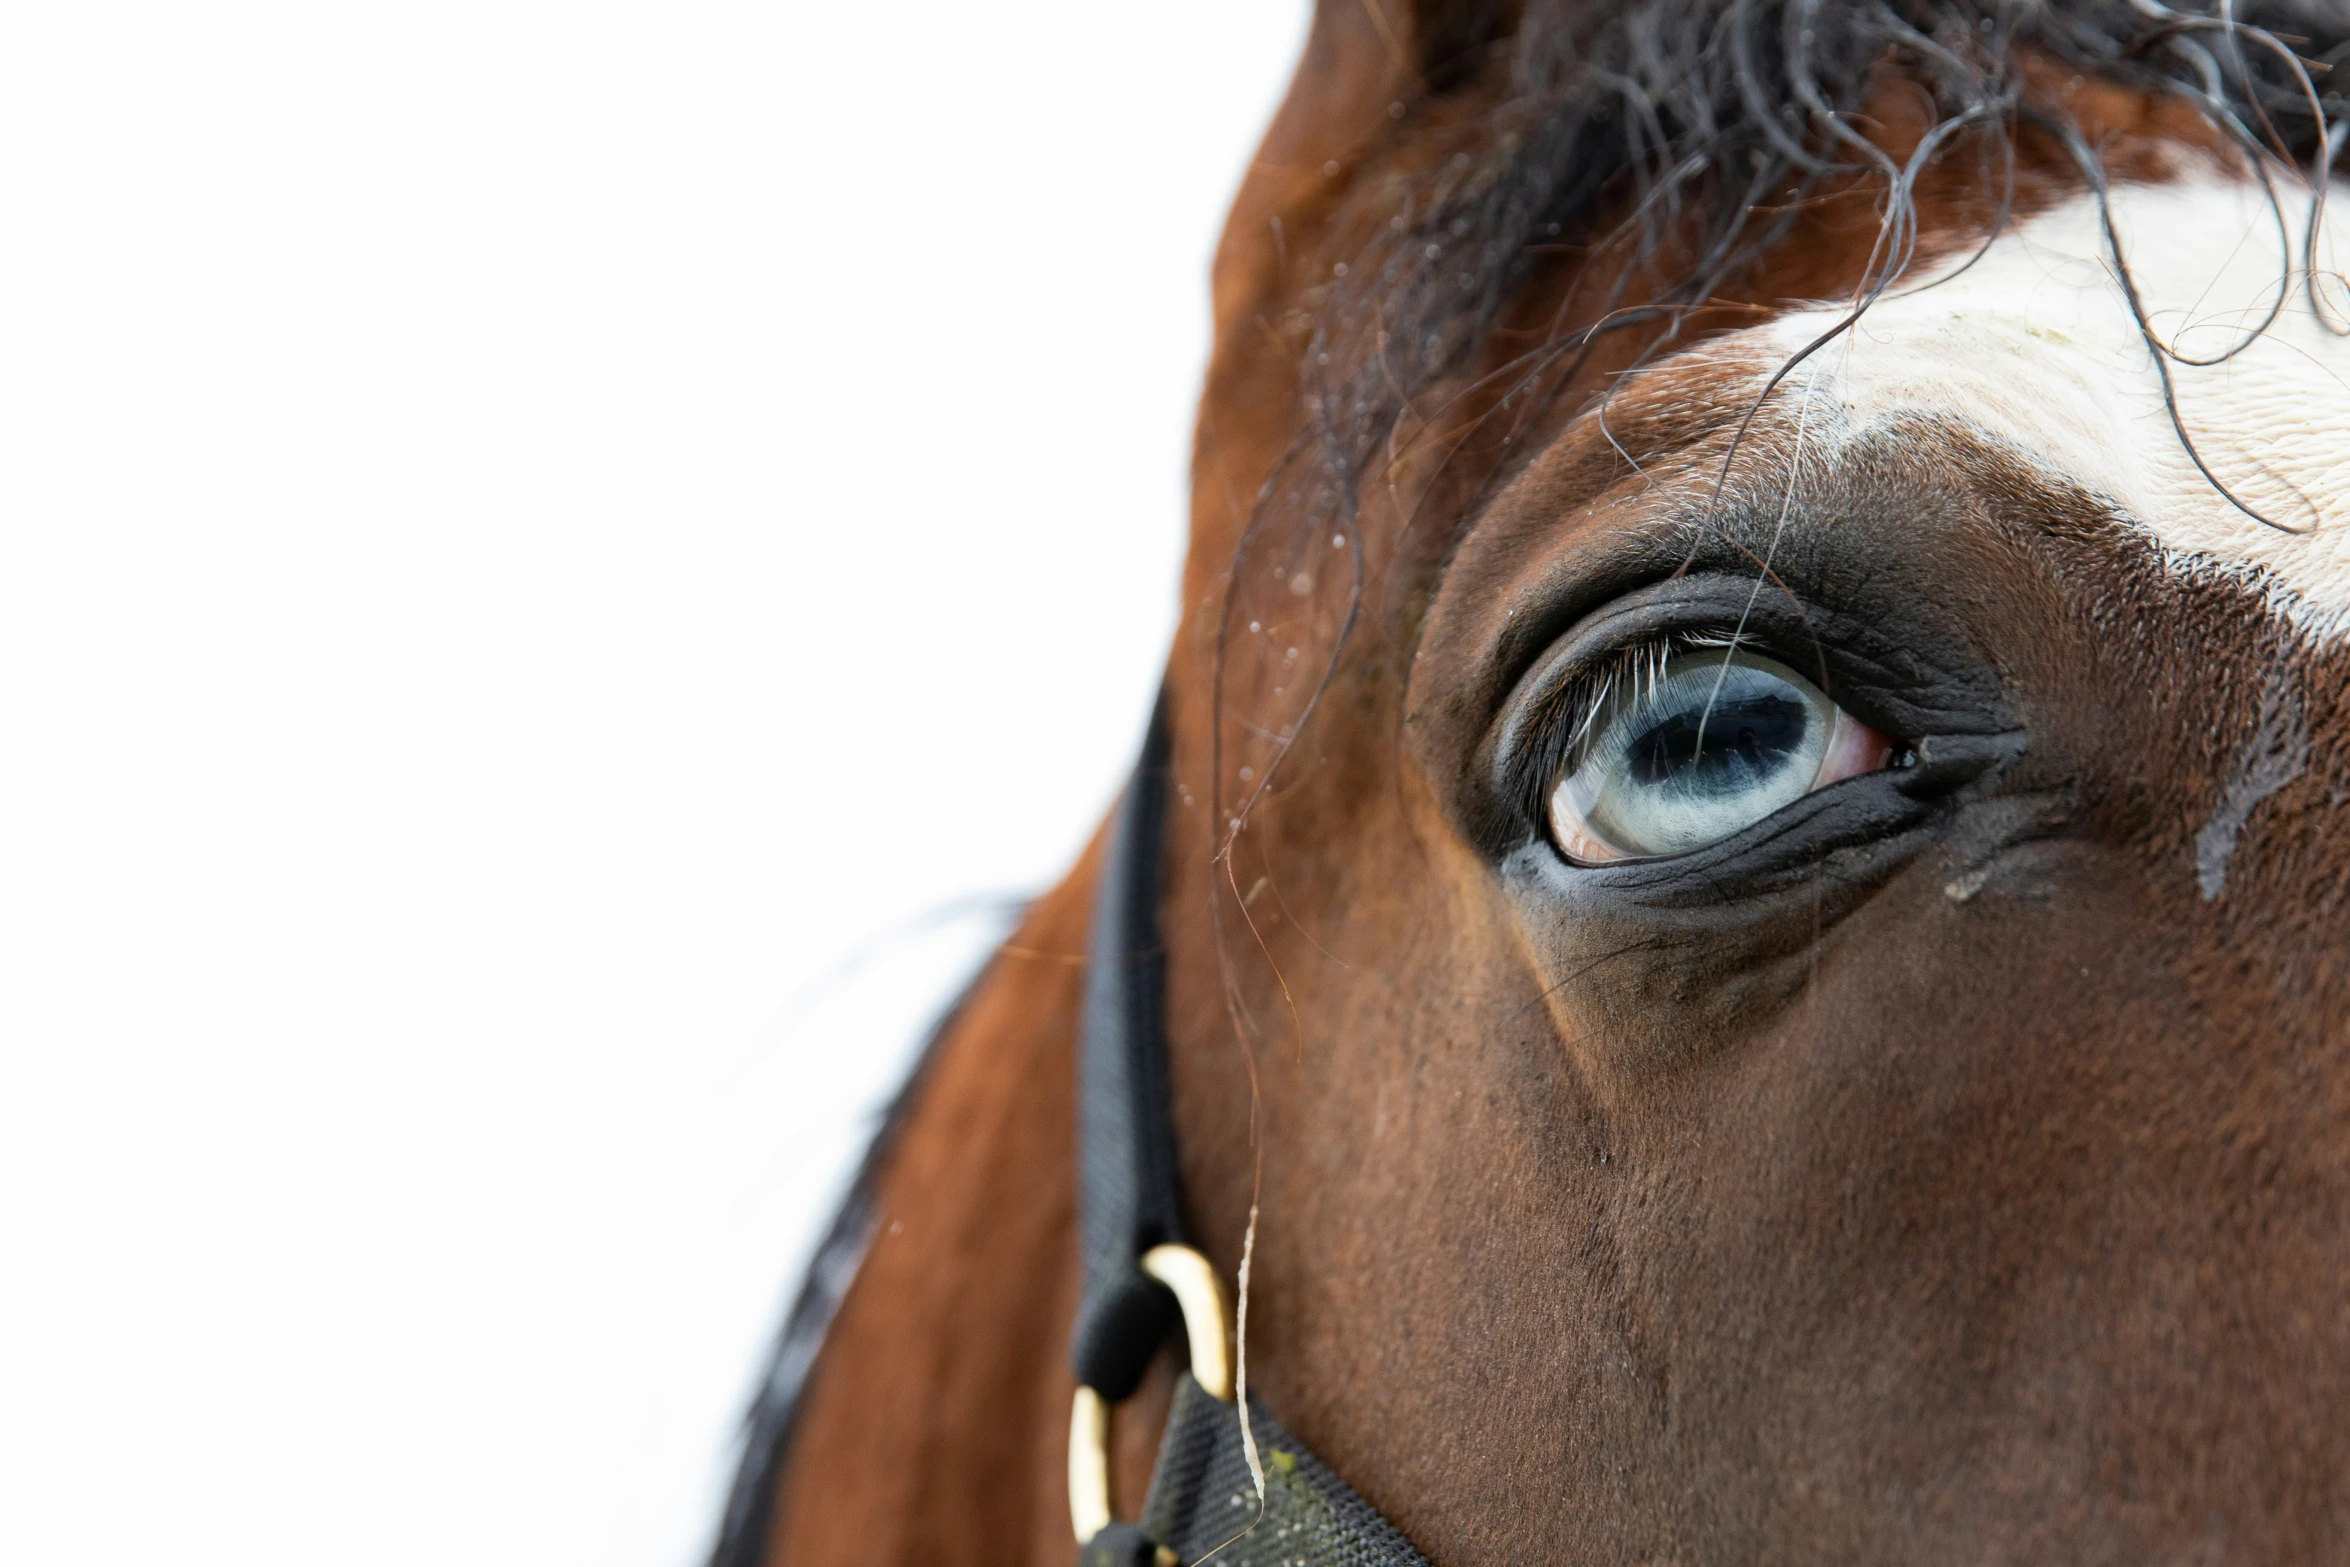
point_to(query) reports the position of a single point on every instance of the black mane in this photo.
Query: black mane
(750, 1515)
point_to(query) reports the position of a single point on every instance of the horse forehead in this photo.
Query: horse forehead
(2032, 345)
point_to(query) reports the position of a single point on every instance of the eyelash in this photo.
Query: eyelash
(1569, 712)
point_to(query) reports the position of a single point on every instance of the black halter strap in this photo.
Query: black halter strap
(1203, 1499)
(1127, 1200)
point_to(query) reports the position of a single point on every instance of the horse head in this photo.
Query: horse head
(1753, 885)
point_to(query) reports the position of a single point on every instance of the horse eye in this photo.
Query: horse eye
(1708, 743)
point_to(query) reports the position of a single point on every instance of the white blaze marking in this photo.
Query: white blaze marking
(2035, 346)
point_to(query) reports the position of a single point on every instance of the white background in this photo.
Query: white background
(540, 548)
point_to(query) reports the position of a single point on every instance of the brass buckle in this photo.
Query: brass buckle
(1197, 1291)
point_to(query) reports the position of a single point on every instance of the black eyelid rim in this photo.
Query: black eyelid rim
(1873, 815)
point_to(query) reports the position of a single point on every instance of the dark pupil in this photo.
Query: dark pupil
(1759, 731)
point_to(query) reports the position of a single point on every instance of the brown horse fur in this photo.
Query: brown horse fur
(1979, 1194)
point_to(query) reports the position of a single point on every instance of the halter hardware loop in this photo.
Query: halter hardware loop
(1191, 1278)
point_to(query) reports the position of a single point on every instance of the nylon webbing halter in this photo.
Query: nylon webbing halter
(1141, 1278)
